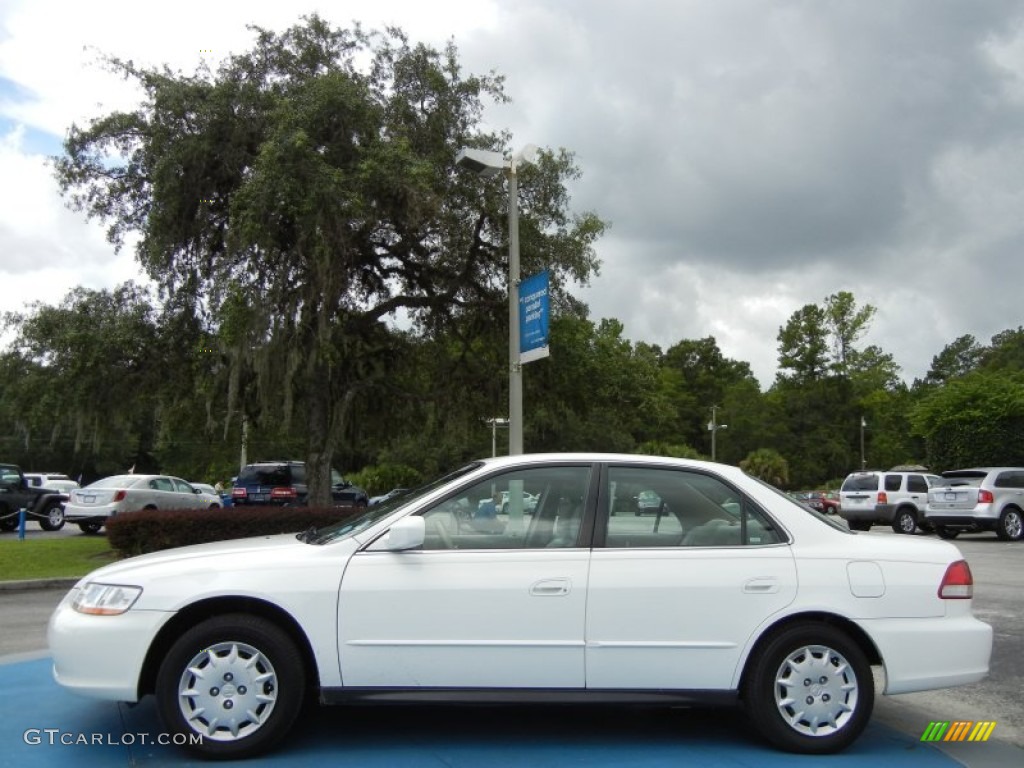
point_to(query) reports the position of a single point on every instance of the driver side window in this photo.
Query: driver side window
(524, 509)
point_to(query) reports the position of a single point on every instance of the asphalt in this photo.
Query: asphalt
(43, 725)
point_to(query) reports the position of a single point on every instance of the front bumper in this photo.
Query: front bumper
(101, 656)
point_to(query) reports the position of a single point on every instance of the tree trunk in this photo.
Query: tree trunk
(320, 447)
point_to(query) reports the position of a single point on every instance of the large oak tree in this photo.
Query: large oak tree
(311, 181)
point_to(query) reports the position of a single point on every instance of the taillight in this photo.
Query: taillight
(883, 498)
(283, 493)
(238, 493)
(985, 497)
(119, 496)
(958, 583)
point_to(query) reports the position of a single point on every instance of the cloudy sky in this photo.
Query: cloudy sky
(751, 156)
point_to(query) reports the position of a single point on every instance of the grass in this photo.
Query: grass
(52, 558)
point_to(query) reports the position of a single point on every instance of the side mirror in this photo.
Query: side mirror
(407, 533)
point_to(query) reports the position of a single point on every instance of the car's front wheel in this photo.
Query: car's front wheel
(905, 521)
(237, 681)
(810, 689)
(1010, 526)
(859, 525)
(90, 527)
(946, 533)
(53, 518)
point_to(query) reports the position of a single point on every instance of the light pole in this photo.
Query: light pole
(495, 423)
(485, 163)
(713, 427)
(863, 461)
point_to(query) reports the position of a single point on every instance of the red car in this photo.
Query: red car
(824, 501)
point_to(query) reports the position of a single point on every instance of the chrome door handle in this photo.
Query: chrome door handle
(551, 588)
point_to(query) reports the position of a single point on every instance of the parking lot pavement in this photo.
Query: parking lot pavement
(34, 712)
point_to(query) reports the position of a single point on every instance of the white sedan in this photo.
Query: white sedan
(91, 506)
(729, 592)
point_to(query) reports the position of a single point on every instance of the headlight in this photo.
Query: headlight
(105, 599)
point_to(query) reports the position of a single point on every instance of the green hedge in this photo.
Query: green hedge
(136, 533)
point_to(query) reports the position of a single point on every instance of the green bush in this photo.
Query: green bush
(380, 479)
(136, 533)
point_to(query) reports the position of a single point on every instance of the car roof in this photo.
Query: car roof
(952, 472)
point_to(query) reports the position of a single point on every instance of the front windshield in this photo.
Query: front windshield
(377, 512)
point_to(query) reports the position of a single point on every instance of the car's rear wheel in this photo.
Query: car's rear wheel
(237, 681)
(810, 689)
(1011, 525)
(905, 521)
(90, 527)
(946, 533)
(53, 517)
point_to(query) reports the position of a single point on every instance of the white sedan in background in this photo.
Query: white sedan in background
(90, 507)
(732, 592)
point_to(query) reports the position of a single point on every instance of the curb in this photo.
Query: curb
(18, 586)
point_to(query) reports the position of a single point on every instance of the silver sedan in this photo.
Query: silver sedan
(90, 507)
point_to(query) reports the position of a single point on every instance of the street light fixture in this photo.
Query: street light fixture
(495, 423)
(486, 164)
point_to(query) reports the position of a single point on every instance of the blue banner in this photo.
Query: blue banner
(534, 316)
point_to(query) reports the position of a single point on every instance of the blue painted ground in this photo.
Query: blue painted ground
(425, 737)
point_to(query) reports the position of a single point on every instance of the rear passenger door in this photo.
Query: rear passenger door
(674, 595)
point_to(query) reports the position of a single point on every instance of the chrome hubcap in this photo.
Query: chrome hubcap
(816, 690)
(1013, 525)
(227, 691)
(907, 524)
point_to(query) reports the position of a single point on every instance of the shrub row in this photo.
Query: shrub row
(136, 533)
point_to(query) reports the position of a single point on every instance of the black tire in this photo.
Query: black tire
(8, 522)
(946, 533)
(1011, 525)
(90, 527)
(814, 663)
(53, 517)
(859, 525)
(245, 648)
(905, 521)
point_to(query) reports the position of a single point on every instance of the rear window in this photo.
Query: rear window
(867, 482)
(266, 475)
(952, 479)
(117, 481)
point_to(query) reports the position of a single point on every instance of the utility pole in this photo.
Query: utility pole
(863, 460)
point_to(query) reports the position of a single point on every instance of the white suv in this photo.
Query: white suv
(53, 480)
(895, 498)
(979, 499)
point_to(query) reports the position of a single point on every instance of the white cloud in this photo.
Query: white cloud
(752, 157)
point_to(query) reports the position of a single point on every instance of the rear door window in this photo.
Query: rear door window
(893, 482)
(917, 484)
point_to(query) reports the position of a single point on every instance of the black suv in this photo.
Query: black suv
(45, 505)
(283, 483)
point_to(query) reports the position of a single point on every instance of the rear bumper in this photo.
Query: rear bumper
(961, 521)
(915, 662)
(880, 513)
